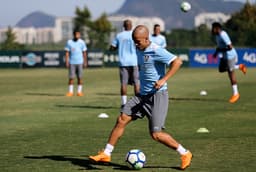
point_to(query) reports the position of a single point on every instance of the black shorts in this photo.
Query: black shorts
(227, 64)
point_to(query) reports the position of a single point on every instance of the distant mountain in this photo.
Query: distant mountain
(169, 10)
(37, 19)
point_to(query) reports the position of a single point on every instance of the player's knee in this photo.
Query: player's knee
(155, 135)
(123, 120)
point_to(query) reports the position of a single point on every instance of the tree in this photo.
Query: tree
(82, 20)
(242, 26)
(97, 32)
(101, 30)
(10, 42)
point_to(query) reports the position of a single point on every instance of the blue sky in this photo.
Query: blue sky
(11, 11)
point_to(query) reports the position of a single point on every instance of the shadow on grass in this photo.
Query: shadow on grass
(195, 99)
(45, 94)
(86, 106)
(161, 167)
(84, 163)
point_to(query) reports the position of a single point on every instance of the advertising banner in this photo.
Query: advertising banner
(53, 58)
(32, 59)
(111, 59)
(10, 59)
(204, 57)
(95, 58)
(247, 56)
(183, 55)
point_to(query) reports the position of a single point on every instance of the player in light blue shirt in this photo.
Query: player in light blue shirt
(228, 58)
(153, 99)
(152, 67)
(76, 59)
(157, 38)
(128, 68)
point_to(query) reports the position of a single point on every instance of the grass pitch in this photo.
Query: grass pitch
(42, 130)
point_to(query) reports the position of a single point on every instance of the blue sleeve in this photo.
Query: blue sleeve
(164, 56)
(115, 42)
(84, 47)
(67, 47)
(225, 38)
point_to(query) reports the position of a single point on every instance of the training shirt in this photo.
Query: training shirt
(76, 49)
(126, 48)
(159, 40)
(152, 64)
(223, 41)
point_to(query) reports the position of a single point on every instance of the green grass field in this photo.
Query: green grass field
(42, 130)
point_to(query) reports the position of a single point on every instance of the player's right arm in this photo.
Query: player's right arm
(67, 54)
(114, 44)
(67, 59)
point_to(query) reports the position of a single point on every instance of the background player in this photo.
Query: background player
(76, 59)
(157, 38)
(127, 60)
(228, 58)
(153, 98)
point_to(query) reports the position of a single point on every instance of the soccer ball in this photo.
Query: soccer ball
(136, 159)
(185, 6)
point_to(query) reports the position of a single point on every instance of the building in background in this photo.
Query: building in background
(209, 18)
(117, 22)
(63, 29)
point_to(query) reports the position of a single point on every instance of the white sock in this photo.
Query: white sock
(235, 89)
(123, 100)
(181, 150)
(108, 149)
(236, 67)
(71, 88)
(79, 88)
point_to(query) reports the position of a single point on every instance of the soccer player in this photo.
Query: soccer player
(152, 101)
(128, 68)
(76, 60)
(228, 58)
(157, 38)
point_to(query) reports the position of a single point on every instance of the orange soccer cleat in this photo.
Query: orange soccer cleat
(234, 98)
(186, 160)
(80, 94)
(69, 94)
(101, 157)
(243, 68)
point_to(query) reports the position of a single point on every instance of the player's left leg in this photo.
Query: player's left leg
(132, 107)
(156, 123)
(116, 133)
(79, 80)
(234, 98)
(232, 77)
(71, 80)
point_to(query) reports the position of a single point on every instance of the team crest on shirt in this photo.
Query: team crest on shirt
(146, 57)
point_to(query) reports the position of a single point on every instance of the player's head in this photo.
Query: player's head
(127, 24)
(140, 36)
(76, 34)
(216, 28)
(157, 29)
